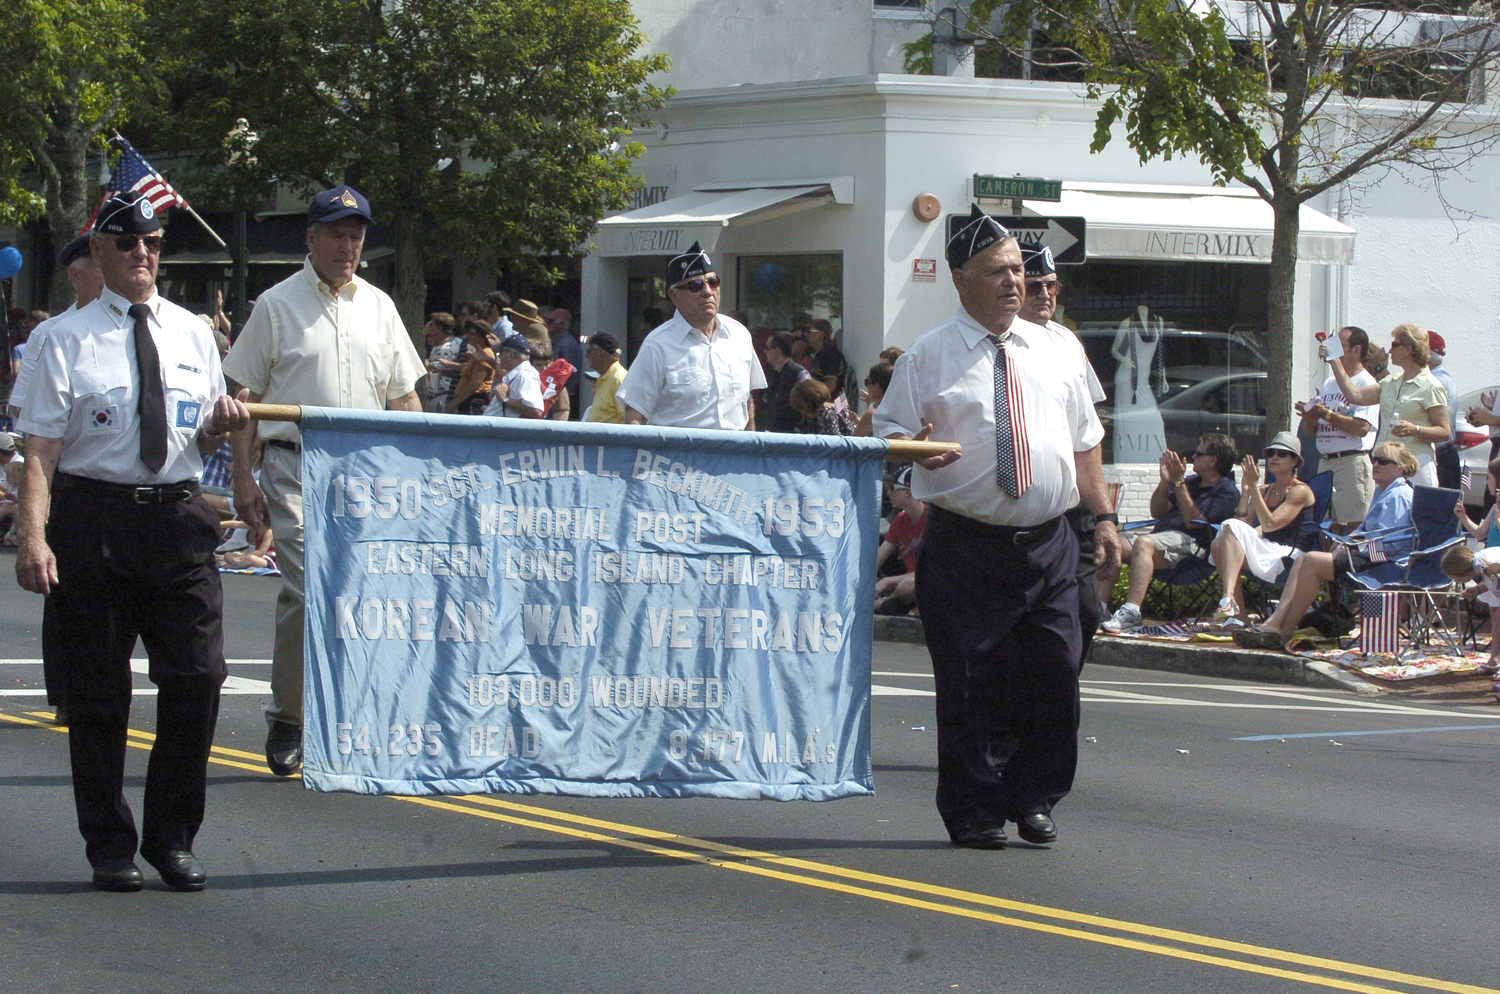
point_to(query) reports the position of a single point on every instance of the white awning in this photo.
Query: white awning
(1190, 224)
(671, 226)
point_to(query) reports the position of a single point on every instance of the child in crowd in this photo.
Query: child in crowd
(1462, 563)
(1487, 530)
(897, 594)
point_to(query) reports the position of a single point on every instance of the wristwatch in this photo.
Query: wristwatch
(1110, 516)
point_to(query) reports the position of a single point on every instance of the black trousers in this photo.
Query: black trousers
(1090, 611)
(1002, 627)
(128, 570)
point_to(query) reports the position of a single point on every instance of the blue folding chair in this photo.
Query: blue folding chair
(1194, 573)
(1258, 591)
(1434, 531)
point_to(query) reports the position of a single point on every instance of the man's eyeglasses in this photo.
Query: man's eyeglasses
(1196, 454)
(696, 284)
(1034, 287)
(1382, 461)
(127, 243)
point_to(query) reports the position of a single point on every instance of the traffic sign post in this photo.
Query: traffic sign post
(1063, 235)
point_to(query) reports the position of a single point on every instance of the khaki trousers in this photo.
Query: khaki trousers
(281, 482)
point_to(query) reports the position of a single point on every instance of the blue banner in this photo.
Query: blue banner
(496, 605)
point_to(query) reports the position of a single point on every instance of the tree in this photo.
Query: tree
(74, 69)
(485, 130)
(1290, 99)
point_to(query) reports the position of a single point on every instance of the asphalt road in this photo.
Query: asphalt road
(1221, 837)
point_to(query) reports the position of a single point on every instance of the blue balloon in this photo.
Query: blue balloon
(768, 277)
(10, 262)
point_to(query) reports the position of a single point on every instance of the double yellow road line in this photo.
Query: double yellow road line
(1171, 943)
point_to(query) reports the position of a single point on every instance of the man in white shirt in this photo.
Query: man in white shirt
(1346, 433)
(697, 370)
(127, 394)
(518, 394)
(996, 574)
(88, 282)
(325, 338)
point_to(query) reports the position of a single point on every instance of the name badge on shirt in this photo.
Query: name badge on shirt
(102, 420)
(187, 413)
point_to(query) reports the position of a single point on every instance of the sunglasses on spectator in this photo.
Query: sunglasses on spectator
(697, 284)
(1197, 453)
(127, 243)
(1281, 453)
(1039, 286)
(1382, 461)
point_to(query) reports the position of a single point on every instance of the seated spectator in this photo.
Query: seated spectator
(1463, 564)
(1487, 530)
(518, 394)
(1208, 495)
(776, 398)
(811, 399)
(1392, 466)
(603, 357)
(828, 362)
(906, 527)
(263, 556)
(896, 594)
(877, 382)
(472, 391)
(1266, 528)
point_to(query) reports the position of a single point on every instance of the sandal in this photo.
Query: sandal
(1257, 637)
(1226, 610)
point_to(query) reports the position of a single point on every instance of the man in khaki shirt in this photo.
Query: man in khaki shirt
(324, 338)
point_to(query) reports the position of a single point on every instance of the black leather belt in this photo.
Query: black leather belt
(1022, 536)
(283, 444)
(1325, 457)
(164, 493)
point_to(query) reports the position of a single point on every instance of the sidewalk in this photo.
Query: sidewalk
(1228, 662)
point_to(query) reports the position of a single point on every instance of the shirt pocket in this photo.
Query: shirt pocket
(186, 394)
(99, 398)
(379, 360)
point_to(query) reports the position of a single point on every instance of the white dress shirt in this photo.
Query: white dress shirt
(947, 379)
(303, 345)
(1066, 337)
(34, 345)
(682, 379)
(86, 387)
(525, 385)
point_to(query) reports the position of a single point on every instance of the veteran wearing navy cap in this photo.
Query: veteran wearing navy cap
(996, 574)
(326, 338)
(126, 396)
(697, 370)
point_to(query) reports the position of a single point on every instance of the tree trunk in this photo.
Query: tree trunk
(68, 196)
(410, 291)
(1279, 313)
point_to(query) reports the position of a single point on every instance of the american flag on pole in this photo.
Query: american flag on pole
(1378, 622)
(133, 174)
(1466, 478)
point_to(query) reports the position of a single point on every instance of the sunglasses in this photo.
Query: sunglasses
(1041, 286)
(697, 284)
(127, 243)
(1382, 461)
(1196, 454)
(1280, 454)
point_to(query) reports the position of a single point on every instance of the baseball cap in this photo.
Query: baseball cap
(337, 204)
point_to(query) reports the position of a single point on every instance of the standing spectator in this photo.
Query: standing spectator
(445, 358)
(1445, 453)
(697, 370)
(603, 357)
(1345, 432)
(530, 326)
(828, 363)
(21, 325)
(554, 374)
(114, 532)
(777, 413)
(88, 282)
(326, 338)
(1487, 414)
(820, 415)
(1183, 504)
(518, 394)
(472, 392)
(496, 306)
(997, 571)
(1413, 405)
(565, 345)
(469, 310)
(877, 381)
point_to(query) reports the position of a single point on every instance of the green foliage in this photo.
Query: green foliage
(527, 104)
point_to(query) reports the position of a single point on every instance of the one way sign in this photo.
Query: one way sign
(1063, 235)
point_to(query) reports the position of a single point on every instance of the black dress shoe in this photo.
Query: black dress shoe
(283, 748)
(180, 870)
(1036, 829)
(118, 875)
(979, 837)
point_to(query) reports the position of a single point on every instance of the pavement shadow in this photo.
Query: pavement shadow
(436, 871)
(782, 845)
(45, 888)
(904, 769)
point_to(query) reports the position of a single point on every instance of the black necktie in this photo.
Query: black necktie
(152, 405)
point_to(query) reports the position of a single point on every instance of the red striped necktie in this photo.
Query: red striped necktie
(1012, 450)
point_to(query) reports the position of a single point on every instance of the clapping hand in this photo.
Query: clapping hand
(1250, 473)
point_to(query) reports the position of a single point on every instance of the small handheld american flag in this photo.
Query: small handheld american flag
(1375, 551)
(1466, 478)
(1379, 628)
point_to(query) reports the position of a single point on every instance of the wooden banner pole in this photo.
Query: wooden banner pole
(901, 449)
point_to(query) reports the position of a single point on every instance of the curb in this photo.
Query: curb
(1227, 661)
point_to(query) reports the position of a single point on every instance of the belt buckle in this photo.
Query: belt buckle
(146, 495)
(1022, 537)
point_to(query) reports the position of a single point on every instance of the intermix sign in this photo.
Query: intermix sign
(558, 608)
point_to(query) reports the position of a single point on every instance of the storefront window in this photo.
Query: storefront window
(645, 299)
(787, 291)
(1179, 347)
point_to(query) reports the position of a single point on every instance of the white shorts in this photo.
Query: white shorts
(1262, 558)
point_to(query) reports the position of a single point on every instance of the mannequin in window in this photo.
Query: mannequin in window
(1139, 436)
